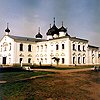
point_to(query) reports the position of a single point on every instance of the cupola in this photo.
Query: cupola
(7, 30)
(54, 30)
(39, 36)
(49, 33)
(63, 31)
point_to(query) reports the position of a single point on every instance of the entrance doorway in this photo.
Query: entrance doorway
(4, 60)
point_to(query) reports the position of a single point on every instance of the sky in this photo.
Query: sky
(81, 17)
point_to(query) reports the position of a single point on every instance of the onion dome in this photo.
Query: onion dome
(54, 29)
(7, 30)
(62, 29)
(39, 35)
(49, 31)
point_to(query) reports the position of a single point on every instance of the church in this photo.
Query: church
(59, 48)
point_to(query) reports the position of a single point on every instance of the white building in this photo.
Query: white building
(58, 45)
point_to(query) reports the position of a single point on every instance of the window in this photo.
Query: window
(41, 60)
(79, 60)
(45, 47)
(74, 47)
(1, 48)
(29, 47)
(37, 48)
(41, 47)
(9, 46)
(73, 60)
(5, 48)
(83, 48)
(21, 47)
(98, 55)
(20, 60)
(63, 60)
(9, 60)
(79, 48)
(63, 46)
(83, 60)
(57, 47)
(93, 60)
(37, 59)
(29, 60)
(45, 60)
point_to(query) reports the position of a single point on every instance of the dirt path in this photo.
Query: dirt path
(63, 71)
(50, 70)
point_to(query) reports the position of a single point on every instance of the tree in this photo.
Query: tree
(56, 59)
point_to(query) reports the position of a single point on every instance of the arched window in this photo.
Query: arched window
(63, 60)
(41, 60)
(20, 60)
(83, 48)
(37, 59)
(74, 47)
(57, 47)
(29, 60)
(45, 47)
(37, 48)
(45, 60)
(41, 48)
(1, 48)
(63, 46)
(79, 48)
(9, 46)
(21, 47)
(73, 60)
(29, 47)
(83, 60)
(79, 60)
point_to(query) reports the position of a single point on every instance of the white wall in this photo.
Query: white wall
(8, 53)
(79, 53)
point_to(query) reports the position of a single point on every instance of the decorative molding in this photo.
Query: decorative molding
(21, 55)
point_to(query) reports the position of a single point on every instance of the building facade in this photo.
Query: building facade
(59, 47)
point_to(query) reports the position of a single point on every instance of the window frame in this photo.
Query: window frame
(79, 60)
(29, 60)
(79, 48)
(84, 60)
(21, 47)
(29, 47)
(63, 46)
(74, 60)
(20, 60)
(63, 60)
(74, 47)
(57, 46)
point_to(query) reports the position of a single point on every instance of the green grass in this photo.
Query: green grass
(17, 82)
(14, 74)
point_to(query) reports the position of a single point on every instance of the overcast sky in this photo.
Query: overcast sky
(81, 17)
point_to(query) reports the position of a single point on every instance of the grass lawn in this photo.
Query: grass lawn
(14, 74)
(71, 86)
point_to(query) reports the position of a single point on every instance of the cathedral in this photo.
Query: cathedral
(58, 49)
